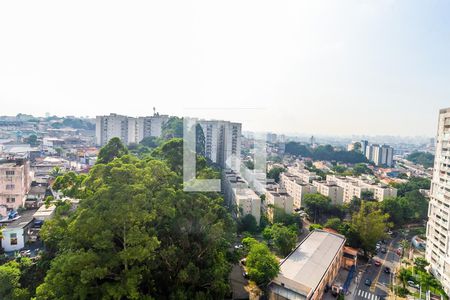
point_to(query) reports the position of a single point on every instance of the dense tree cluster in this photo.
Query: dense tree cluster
(319, 208)
(413, 184)
(275, 172)
(326, 152)
(422, 158)
(262, 266)
(412, 207)
(137, 235)
(284, 238)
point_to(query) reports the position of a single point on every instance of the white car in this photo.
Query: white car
(413, 284)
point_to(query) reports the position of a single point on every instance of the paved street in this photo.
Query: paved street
(379, 279)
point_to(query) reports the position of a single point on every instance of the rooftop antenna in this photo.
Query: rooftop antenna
(154, 110)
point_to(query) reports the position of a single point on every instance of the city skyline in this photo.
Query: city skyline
(342, 68)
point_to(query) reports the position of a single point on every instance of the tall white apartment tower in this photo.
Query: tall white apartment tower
(108, 127)
(438, 227)
(222, 142)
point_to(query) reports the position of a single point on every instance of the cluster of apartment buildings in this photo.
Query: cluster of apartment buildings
(298, 182)
(380, 155)
(239, 196)
(21, 201)
(129, 129)
(354, 187)
(222, 138)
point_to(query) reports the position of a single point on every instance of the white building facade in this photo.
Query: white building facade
(128, 129)
(222, 142)
(15, 183)
(438, 227)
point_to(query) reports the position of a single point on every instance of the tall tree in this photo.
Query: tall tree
(262, 265)
(137, 235)
(10, 276)
(114, 149)
(316, 205)
(284, 238)
(371, 225)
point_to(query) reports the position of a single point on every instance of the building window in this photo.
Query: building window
(10, 186)
(10, 173)
(10, 200)
(13, 238)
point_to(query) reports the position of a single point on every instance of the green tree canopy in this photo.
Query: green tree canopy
(324, 152)
(137, 235)
(248, 223)
(316, 206)
(10, 277)
(275, 172)
(371, 225)
(333, 223)
(114, 149)
(284, 238)
(262, 265)
(422, 158)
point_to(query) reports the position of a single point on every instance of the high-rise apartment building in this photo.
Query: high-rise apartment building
(364, 144)
(438, 227)
(222, 142)
(380, 155)
(128, 129)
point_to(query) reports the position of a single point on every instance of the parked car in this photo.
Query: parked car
(377, 263)
(243, 261)
(383, 250)
(368, 282)
(413, 284)
(25, 253)
(239, 246)
(387, 270)
(399, 251)
(245, 275)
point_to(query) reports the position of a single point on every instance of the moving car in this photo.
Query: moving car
(383, 250)
(368, 282)
(387, 270)
(377, 263)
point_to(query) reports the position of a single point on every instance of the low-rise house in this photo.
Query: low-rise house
(36, 196)
(16, 231)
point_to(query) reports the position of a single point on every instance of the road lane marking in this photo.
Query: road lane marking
(372, 288)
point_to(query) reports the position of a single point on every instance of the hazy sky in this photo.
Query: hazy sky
(323, 67)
